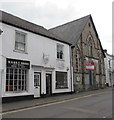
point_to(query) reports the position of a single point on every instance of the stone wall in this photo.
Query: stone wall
(96, 57)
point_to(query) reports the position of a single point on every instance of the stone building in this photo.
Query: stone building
(86, 49)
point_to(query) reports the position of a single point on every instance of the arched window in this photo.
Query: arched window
(77, 61)
(90, 52)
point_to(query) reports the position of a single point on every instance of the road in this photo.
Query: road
(97, 105)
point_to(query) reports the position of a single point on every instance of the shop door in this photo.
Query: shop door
(48, 84)
(37, 79)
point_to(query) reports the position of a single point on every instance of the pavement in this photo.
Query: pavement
(51, 99)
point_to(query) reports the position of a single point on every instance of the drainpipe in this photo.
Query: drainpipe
(1, 70)
(82, 62)
(71, 68)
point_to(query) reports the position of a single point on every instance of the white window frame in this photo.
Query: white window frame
(25, 43)
(37, 80)
(15, 87)
(62, 52)
(64, 81)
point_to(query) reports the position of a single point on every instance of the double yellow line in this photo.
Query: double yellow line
(52, 103)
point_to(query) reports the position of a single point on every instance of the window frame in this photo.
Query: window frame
(19, 84)
(62, 86)
(16, 75)
(37, 81)
(59, 58)
(90, 46)
(24, 43)
(77, 57)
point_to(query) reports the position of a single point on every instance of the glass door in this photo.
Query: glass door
(37, 78)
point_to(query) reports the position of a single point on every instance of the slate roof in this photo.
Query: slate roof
(28, 26)
(70, 32)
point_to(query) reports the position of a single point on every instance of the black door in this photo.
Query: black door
(48, 84)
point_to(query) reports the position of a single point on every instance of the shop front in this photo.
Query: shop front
(16, 75)
(43, 80)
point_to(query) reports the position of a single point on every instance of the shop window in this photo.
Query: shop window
(20, 42)
(16, 80)
(61, 80)
(59, 51)
(16, 75)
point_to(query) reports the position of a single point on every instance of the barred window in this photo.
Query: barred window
(20, 42)
(16, 79)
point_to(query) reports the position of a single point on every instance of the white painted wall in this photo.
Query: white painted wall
(1, 40)
(36, 46)
(0, 62)
(107, 69)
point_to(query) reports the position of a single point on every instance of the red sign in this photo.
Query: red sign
(90, 66)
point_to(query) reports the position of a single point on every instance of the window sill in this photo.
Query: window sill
(62, 88)
(20, 51)
(14, 92)
(60, 59)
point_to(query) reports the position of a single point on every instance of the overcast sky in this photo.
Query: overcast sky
(51, 13)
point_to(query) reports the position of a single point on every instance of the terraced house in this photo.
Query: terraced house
(33, 62)
(87, 52)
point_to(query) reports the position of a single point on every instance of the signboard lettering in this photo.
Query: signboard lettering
(14, 63)
(90, 66)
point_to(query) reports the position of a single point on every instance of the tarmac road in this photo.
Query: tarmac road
(96, 105)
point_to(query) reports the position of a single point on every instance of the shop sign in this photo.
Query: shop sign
(14, 63)
(90, 66)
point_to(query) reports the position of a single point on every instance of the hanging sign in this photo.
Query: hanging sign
(90, 66)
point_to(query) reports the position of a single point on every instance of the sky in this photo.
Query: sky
(51, 13)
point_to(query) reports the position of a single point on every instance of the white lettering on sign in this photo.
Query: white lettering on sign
(90, 66)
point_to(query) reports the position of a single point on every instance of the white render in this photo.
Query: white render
(109, 69)
(37, 48)
(0, 62)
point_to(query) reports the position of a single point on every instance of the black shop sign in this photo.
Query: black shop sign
(14, 63)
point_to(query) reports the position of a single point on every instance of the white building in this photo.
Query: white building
(109, 68)
(33, 62)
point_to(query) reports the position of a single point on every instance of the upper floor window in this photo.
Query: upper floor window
(77, 61)
(60, 51)
(90, 46)
(20, 41)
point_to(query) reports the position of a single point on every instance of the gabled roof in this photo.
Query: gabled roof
(71, 31)
(28, 26)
